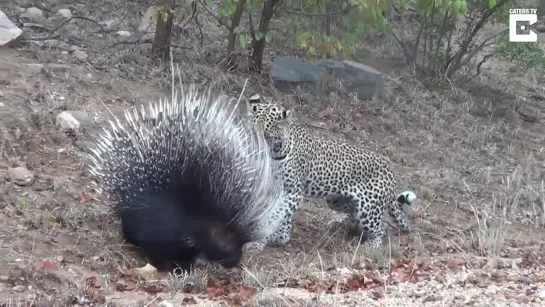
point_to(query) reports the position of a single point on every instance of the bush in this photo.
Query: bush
(447, 41)
(528, 55)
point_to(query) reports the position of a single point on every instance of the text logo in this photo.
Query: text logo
(521, 20)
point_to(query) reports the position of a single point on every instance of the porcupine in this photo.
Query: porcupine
(188, 177)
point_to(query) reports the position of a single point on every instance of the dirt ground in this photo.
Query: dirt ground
(473, 154)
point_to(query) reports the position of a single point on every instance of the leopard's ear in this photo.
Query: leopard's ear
(287, 115)
(286, 119)
(250, 104)
(254, 98)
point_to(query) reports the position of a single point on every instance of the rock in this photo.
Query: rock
(9, 32)
(492, 290)
(74, 48)
(19, 288)
(67, 122)
(20, 176)
(165, 304)
(74, 121)
(53, 43)
(296, 71)
(85, 121)
(361, 79)
(123, 33)
(541, 293)
(540, 28)
(109, 24)
(81, 55)
(64, 13)
(33, 14)
(357, 78)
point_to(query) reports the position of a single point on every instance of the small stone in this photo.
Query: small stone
(64, 13)
(165, 304)
(33, 14)
(67, 122)
(146, 272)
(17, 133)
(16, 273)
(81, 55)
(20, 176)
(492, 290)
(85, 121)
(429, 299)
(109, 24)
(123, 33)
(19, 288)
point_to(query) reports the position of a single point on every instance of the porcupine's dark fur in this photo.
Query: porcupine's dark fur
(188, 177)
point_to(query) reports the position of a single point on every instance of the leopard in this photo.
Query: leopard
(352, 179)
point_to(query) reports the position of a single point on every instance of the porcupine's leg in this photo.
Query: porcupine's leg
(160, 229)
(162, 252)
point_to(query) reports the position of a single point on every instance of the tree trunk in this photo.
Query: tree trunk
(163, 31)
(256, 60)
(232, 39)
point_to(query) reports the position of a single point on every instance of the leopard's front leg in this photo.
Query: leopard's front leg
(292, 200)
(293, 194)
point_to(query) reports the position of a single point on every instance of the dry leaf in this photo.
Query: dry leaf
(377, 294)
(212, 283)
(96, 296)
(50, 265)
(124, 286)
(189, 300)
(92, 281)
(86, 197)
(353, 283)
(153, 288)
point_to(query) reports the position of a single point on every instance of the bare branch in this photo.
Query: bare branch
(221, 22)
(344, 10)
(62, 24)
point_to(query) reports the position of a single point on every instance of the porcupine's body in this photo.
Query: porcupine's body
(188, 177)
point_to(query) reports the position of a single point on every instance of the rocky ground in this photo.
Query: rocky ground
(473, 154)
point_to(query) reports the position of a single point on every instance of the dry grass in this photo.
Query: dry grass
(473, 155)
